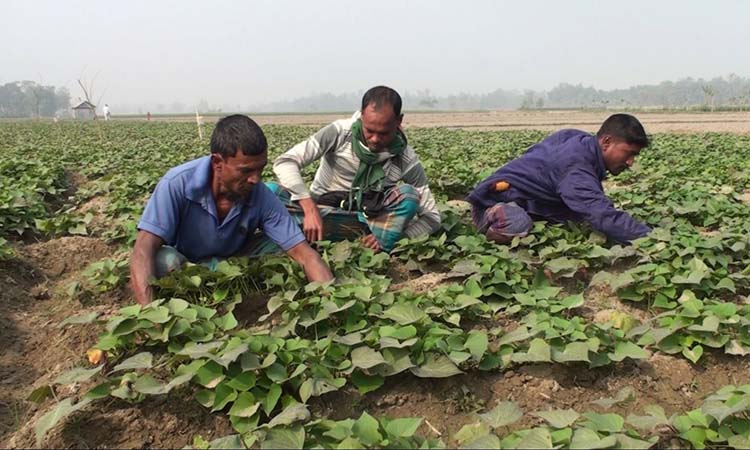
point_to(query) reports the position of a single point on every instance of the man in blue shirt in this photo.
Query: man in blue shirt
(560, 179)
(210, 207)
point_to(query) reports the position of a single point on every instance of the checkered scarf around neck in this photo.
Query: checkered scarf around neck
(370, 174)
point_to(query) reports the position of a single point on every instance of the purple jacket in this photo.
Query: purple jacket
(560, 179)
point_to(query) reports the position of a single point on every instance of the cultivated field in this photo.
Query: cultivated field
(558, 339)
(547, 120)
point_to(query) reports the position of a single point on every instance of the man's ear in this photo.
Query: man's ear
(605, 141)
(398, 121)
(215, 160)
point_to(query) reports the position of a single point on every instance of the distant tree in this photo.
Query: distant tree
(30, 99)
(709, 94)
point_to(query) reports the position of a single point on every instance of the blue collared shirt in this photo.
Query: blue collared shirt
(560, 179)
(182, 212)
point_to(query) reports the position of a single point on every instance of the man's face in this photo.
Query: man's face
(379, 126)
(618, 155)
(237, 175)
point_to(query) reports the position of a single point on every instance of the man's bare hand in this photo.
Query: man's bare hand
(312, 223)
(370, 241)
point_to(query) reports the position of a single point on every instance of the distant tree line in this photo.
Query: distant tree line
(30, 99)
(720, 92)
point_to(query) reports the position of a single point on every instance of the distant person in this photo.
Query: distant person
(148, 116)
(370, 182)
(107, 114)
(560, 179)
(210, 207)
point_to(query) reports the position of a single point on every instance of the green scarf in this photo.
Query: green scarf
(370, 174)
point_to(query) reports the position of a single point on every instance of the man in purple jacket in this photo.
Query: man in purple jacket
(560, 179)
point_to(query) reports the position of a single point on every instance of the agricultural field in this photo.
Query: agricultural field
(559, 339)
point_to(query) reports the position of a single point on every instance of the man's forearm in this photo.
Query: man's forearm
(311, 262)
(317, 270)
(141, 272)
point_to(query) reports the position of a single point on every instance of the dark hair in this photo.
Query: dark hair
(625, 127)
(382, 95)
(238, 132)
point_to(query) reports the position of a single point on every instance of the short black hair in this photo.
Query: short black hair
(382, 95)
(238, 132)
(625, 127)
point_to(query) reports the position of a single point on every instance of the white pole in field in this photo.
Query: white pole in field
(198, 123)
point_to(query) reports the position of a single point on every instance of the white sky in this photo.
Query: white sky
(249, 52)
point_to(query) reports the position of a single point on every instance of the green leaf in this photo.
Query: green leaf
(177, 305)
(436, 367)
(146, 384)
(143, 360)
(226, 322)
(570, 302)
(77, 375)
(710, 324)
(698, 270)
(284, 438)
(244, 406)
(210, 375)
(242, 382)
(575, 351)
(472, 432)
(158, 314)
(400, 333)
(505, 413)
(233, 441)
(366, 358)
(366, 430)
(611, 423)
(626, 441)
(628, 350)
(477, 344)
(536, 438)
(272, 398)
(50, 419)
(79, 320)
(363, 293)
(404, 313)
(734, 347)
(291, 414)
(693, 354)
(489, 441)
(539, 351)
(403, 428)
(40, 394)
(519, 334)
(584, 438)
(366, 383)
(559, 418)
(315, 387)
(224, 395)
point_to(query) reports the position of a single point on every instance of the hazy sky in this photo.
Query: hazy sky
(250, 52)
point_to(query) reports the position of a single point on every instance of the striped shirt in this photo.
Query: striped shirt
(333, 145)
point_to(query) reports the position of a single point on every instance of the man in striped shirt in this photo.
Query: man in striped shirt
(370, 182)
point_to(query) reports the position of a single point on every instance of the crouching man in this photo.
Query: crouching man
(560, 179)
(210, 207)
